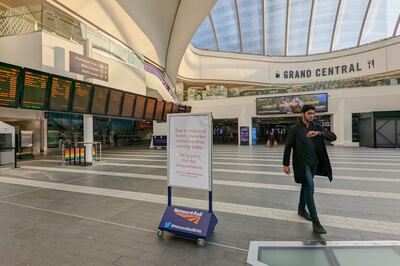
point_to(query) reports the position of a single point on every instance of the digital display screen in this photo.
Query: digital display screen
(60, 93)
(80, 103)
(9, 84)
(114, 104)
(159, 110)
(244, 135)
(99, 101)
(182, 109)
(150, 106)
(127, 106)
(35, 89)
(291, 104)
(175, 108)
(168, 107)
(139, 107)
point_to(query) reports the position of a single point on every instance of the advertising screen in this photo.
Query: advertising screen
(159, 110)
(99, 101)
(127, 105)
(9, 85)
(82, 91)
(35, 88)
(60, 93)
(291, 104)
(244, 135)
(150, 106)
(139, 107)
(114, 104)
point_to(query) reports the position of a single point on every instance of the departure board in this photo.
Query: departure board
(175, 108)
(168, 108)
(139, 107)
(182, 108)
(114, 104)
(9, 85)
(60, 93)
(150, 106)
(34, 92)
(159, 110)
(99, 100)
(127, 105)
(80, 103)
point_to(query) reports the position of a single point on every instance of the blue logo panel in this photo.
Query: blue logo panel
(188, 222)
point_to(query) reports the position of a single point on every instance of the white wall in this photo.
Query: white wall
(50, 53)
(200, 65)
(121, 75)
(22, 50)
(342, 103)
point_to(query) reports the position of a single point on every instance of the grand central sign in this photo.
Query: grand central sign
(332, 71)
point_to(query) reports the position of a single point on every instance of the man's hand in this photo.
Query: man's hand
(312, 134)
(286, 169)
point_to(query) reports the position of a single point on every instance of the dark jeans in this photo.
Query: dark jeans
(307, 194)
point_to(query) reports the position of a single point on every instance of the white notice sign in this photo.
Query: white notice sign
(190, 150)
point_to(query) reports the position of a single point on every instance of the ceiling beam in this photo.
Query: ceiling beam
(310, 24)
(238, 26)
(335, 24)
(363, 22)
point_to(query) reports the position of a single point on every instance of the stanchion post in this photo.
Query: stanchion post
(210, 207)
(84, 156)
(74, 154)
(169, 195)
(15, 157)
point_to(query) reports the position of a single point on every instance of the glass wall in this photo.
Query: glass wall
(65, 128)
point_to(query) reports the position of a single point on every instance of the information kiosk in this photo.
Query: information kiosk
(189, 166)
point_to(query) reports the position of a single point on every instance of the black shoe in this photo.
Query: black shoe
(318, 228)
(305, 215)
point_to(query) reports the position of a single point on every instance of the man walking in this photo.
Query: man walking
(307, 139)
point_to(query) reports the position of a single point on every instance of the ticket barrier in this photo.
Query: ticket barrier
(74, 155)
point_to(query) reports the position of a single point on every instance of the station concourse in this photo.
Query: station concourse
(154, 132)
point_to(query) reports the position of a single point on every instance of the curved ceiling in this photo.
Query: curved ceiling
(161, 30)
(296, 27)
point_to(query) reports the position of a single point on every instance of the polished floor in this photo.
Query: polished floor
(107, 214)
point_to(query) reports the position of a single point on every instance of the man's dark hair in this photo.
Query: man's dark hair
(307, 107)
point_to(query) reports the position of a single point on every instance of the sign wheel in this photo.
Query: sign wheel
(160, 233)
(201, 242)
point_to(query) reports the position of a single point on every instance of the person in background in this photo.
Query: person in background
(116, 140)
(310, 157)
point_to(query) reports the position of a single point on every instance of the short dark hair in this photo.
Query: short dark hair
(307, 107)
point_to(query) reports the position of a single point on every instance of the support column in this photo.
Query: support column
(88, 137)
(43, 146)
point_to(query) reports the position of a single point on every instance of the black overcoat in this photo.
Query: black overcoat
(296, 140)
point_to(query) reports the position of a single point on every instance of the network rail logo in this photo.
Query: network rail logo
(191, 216)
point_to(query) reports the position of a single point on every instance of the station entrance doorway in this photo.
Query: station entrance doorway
(264, 127)
(225, 131)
